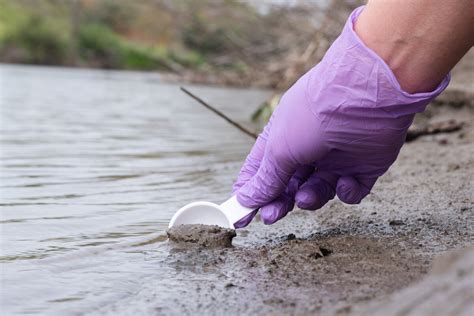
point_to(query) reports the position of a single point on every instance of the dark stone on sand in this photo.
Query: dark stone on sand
(396, 222)
(207, 236)
(290, 237)
(325, 252)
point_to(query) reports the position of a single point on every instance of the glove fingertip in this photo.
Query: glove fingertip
(304, 200)
(269, 215)
(276, 210)
(348, 190)
(241, 223)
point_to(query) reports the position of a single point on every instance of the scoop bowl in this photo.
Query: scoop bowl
(207, 213)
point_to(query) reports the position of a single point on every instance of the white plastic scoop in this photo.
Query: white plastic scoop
(207, 213)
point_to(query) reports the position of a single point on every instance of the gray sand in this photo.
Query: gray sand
(365, 259)
(208, 236)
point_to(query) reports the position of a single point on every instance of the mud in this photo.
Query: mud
(197, 235)
(321, 273)
(365, 259)
(342, 258)
(448, 290)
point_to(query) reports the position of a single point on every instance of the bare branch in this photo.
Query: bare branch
(219, 113)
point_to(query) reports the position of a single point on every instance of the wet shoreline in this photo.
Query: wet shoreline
(85, 210)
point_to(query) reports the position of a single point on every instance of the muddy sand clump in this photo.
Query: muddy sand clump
(207, 236)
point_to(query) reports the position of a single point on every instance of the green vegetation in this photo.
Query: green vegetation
(214, 41)
(99, 43)
(111, 34)
(30, 37)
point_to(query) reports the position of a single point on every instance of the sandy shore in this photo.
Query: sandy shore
(371, 258)
(342, 259)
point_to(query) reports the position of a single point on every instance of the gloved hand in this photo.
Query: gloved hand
(335, 131)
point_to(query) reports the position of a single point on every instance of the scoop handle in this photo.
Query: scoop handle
(234, 210)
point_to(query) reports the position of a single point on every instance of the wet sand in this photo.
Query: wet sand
(448, 290)
(198, 235)
(341, 259)
(344, 260)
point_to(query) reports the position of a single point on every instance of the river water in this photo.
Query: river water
(93, 166)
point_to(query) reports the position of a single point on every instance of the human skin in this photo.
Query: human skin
(342, 124)
(420, 40)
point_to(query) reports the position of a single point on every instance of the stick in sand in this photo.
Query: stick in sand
(219, 113)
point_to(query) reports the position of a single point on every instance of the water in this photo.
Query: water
(93, 166)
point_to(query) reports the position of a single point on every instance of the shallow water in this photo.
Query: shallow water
(93, 166)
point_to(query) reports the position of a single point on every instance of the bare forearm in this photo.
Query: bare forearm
(420, 40)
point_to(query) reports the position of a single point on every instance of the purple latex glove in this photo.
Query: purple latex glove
(335, 131)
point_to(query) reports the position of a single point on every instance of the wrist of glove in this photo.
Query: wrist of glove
(335, 131)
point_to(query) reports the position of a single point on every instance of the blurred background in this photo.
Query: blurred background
(260, 43)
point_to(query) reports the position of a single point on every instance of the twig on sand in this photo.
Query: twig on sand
(433, 128)
(219, 113)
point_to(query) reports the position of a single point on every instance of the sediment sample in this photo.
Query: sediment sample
(208, 236)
